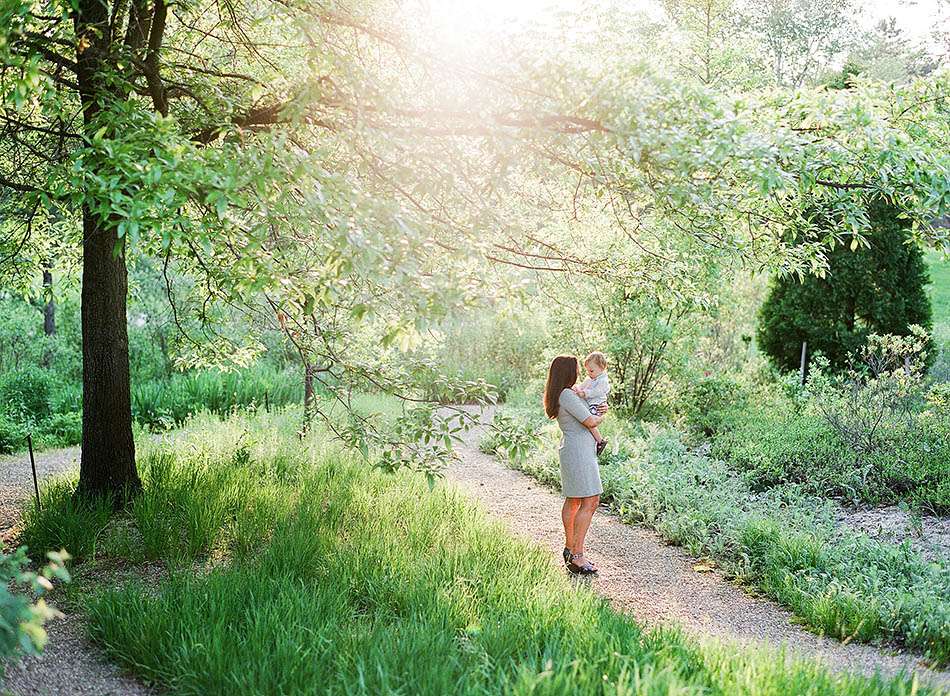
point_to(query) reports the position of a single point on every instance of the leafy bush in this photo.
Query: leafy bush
(22, 618)
(878, 394)
(12, 434)
(707, 402)
(60, 430)
(774, 446)
(67, 398)
(25, 393)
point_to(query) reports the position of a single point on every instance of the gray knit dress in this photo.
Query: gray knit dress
(580, 475)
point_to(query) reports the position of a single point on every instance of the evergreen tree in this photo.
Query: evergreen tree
(876, 289)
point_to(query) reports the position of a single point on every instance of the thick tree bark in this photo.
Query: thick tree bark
(108, 451)
(107, 467)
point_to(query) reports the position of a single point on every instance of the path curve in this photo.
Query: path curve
(71, 665)
(643, 575)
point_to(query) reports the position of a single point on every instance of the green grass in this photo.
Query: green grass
(165, 403)
(293, 569)
(63, 521)
(939, 291)
(780, 540)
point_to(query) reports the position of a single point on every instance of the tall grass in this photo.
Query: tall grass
(63, 520)
(318, 574)
(169, 402)
(53, 415)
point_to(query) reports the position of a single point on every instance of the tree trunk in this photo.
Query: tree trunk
(49, 308)
(108, 451)
(307, 396)
(107, 467)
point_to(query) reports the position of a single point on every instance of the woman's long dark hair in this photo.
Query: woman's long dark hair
(561, 375)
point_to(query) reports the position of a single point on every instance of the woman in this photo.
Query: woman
(580, 475)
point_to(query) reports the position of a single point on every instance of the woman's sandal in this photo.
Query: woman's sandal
(586, 569)
(567, 555)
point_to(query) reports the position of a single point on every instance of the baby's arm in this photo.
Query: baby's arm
(582, 389)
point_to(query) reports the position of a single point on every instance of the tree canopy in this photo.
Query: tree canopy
(321, 167)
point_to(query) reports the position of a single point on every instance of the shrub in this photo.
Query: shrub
(60, 430)
(776, 445)
(21, 618)
(25, 393)
(67, 397)
(12, 433)
(707, 402)
(877, 395)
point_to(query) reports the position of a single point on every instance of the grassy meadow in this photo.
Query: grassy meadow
(253, 564)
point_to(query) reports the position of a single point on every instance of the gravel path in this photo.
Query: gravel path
(656, 582)
(16, 480)
(71, 665)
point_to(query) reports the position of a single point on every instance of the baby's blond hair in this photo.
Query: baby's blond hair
(598, 358)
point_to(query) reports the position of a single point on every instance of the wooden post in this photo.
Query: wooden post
(804, 364)
(36, 485)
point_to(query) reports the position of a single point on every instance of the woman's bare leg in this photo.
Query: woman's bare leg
(568, 513)
(582, 522)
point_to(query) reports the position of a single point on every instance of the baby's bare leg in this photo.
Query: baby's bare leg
(596, 433)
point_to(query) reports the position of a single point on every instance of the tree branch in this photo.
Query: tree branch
(50, 55)
(152, 74)
(137, 30)
(23, 188)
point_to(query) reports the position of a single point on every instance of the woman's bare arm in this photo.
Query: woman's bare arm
(592, 421)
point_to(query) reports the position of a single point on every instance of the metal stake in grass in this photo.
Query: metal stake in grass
(803, 370)
(36, 486)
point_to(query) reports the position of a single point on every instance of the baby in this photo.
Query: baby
(594, 390)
